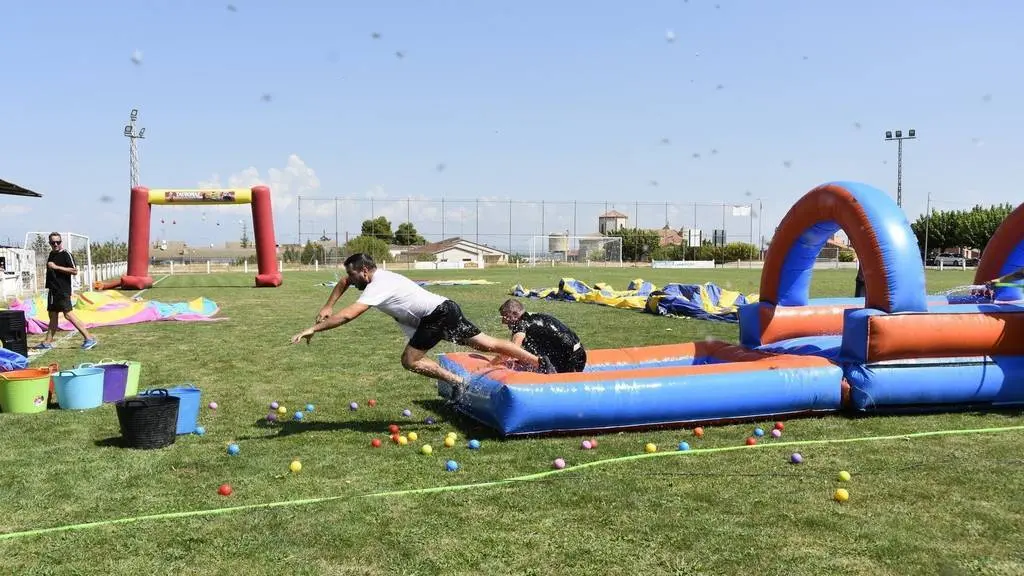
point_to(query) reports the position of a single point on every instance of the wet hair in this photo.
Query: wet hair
(359, 261)
(511, 307)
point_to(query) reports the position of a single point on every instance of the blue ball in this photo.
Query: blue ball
(200, 430)
(298, 415)
(429, 420)
(758, 432)
(233, 449)
(452, 465)
(684, 446)
(407, 413)
(310, 407)
(474, 444)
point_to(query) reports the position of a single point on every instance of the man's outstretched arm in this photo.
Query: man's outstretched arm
(343, 316)
(336, 293)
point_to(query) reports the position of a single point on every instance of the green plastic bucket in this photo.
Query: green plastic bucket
(134, 370)
(24, 391)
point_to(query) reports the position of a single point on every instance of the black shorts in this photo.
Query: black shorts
(574, 361)
(57, 302)
(446, 322)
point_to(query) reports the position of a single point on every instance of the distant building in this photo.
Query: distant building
(611, 221)
(450, 250)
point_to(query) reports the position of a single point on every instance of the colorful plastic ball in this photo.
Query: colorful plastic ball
(233, 449)
(274, 405)
(298, 416)
(650, 447)
(452, 435)
(796, 458)
(394, 437)
(698, 432)
(751, 441)
(449, 442)
(429, 420)
(272, 417)
(393, 428)
(375, 442)
(225, 490)
(779, 426)
(413, 436)
(200, 430)
(427, 449)
(407, 413)
(402, 440)
(593, 443)
(295, 466)
(372, 402)
(776, 433)
(282, 410)
(684, 446)
(841, 495)
(586, 445)
(310, 407)
(353, 406)
(212, 405)
(474, 444)
(559, 463)
(451, 465)
(844, 476)
(758, 432)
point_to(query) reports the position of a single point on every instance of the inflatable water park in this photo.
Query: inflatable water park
(898, 349)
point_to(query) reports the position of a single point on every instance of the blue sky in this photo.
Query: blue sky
(536, 101)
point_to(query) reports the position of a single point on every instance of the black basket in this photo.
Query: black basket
(149, 421)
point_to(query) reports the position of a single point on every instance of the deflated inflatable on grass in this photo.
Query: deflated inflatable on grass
(703, 301)
(112, 308)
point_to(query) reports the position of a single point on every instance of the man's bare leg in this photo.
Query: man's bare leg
(78, 325)
(485, 343)
(416, 361)
(51, 328)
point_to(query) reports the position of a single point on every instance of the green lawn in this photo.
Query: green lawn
(936, 505)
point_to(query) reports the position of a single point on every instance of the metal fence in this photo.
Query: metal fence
(510, 224)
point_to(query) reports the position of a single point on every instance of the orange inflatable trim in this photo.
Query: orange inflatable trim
(937, 335)
(784, 322)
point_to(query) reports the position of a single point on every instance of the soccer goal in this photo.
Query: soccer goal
(76, 244)
(553, 249)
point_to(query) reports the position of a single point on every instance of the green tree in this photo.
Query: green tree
(406, 235)
(375, 247)
(244, 240)
(637, 244)
(311, 252)
(948, 229)
(379, 228)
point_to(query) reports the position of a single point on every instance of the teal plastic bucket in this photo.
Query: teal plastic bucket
(79, 389)
(190, 399)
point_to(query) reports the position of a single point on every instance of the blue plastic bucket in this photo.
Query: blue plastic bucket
(79, 389)
(188, 407)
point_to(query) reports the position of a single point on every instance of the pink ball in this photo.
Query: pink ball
(559, 463)
(213, 405)
(586, 445)
(776, 433)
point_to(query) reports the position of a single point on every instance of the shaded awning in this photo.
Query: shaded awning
(15, 190)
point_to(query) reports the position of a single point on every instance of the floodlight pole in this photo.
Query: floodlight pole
(899, 138)
(133, 149)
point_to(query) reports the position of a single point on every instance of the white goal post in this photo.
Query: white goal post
(76, 244)
(551, 249)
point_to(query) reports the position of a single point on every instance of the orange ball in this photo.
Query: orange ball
(751, 441)
(698, 432)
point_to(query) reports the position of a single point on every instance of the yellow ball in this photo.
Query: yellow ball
(452, 435)
(403, 440)
(650, 447)
(449, 442)
(426, 449)
(282, 410)
(413, 436)
(295, 466)
(841, 495)
(844, 475)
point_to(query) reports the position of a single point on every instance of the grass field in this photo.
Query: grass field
(935, 505)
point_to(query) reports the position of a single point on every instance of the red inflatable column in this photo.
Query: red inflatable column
(268, 274)
(138, 277)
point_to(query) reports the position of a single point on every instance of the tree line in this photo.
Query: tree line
(953, 229)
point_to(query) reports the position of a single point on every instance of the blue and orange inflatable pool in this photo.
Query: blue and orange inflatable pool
(896, 349)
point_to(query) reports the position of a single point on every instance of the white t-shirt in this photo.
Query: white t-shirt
(401, 298)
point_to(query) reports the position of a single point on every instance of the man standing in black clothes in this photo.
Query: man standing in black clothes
(60, 267)
(859, 291)
(545, 336)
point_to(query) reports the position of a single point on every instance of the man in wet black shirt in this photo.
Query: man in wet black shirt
(557, 346)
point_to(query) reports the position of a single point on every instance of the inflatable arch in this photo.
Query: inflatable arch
(142, 201)
(1004, 254)
(896, 349)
